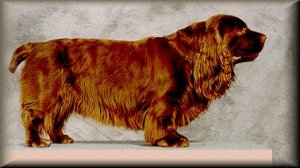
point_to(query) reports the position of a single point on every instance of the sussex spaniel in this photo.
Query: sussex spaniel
(156, 84)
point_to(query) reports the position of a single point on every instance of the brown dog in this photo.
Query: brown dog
(156, 84)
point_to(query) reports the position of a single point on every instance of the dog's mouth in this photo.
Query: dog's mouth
(246, 57)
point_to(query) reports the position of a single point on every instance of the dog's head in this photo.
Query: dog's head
(242, 43)
(213, 47)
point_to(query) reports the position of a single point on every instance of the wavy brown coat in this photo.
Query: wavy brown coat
(156, 84)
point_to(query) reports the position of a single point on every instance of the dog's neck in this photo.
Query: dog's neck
(182, 47)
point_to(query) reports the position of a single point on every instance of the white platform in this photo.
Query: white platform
(138, 152)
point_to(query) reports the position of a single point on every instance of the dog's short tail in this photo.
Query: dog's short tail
(20, 55)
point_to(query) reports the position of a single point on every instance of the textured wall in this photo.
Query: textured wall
(257, 108)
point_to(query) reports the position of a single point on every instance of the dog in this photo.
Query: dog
(156, 84)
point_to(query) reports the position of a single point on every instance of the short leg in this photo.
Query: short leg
(33, 123)
(54, 123)
(57, 135)
(160, 128)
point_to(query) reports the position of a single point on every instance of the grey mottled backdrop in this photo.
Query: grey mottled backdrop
(257, 108)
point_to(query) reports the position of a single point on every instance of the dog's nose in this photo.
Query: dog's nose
(263, 38)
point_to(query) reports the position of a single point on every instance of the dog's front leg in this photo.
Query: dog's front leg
(160, 128)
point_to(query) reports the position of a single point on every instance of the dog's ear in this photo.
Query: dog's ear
(205, 76)
(211, 79)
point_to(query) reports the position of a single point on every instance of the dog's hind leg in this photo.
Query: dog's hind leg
(160, 128)
(54, 122)
(56, 134)
(33, 124)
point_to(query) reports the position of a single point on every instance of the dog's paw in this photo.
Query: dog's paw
(42, 143)
(65, 139)
(172, 140)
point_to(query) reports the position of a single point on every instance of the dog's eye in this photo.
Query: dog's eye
(242, 32)
(228, 24)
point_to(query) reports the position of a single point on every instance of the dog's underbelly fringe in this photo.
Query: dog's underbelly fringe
(109, 106)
